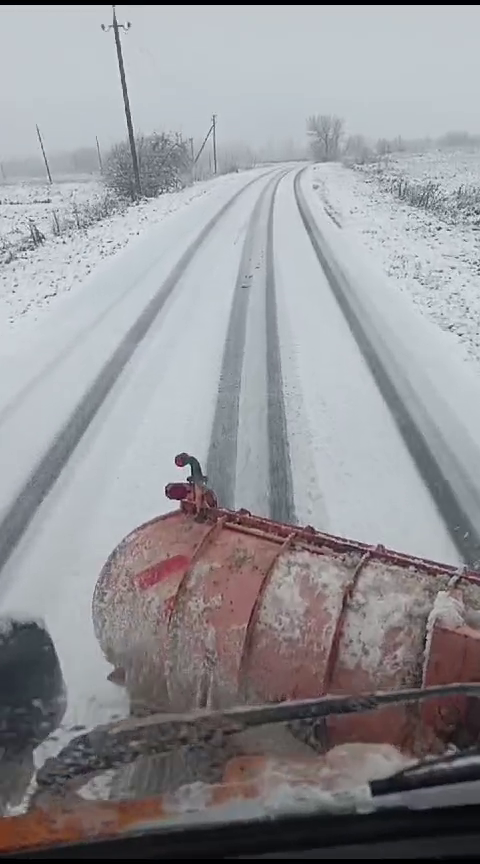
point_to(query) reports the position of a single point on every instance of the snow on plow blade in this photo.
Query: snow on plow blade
(204, 607)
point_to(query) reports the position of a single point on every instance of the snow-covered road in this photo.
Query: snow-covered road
(219, 334)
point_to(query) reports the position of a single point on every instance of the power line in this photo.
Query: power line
(115, 26)
(145, 52)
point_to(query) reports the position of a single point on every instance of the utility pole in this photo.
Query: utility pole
(192, 156)
(214, 139)
(128, 116)
(99, 154)
(44, 156)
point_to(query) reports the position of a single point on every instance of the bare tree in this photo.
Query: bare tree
(325, 132)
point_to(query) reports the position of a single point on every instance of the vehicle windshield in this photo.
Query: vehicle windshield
(239, 406)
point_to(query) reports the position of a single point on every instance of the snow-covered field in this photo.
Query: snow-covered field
(32, 279)
(53, 209)
(182, 276)
(450, 168)
(432, 252)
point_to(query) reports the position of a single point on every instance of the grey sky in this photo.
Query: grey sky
(410, 70)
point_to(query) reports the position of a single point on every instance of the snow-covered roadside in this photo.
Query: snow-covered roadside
(32, 284)
(434, 381)
(45, 372)
(352, 474)
(435, 263)
(115, 479)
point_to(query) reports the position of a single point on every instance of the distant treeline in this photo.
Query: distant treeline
(329, 142)
(81, 161)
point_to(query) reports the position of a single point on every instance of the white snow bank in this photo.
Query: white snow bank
(352, 474)
(440, 388)
(433, 261)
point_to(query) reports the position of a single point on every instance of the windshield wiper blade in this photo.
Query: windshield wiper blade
(121, 743)
(458, 767)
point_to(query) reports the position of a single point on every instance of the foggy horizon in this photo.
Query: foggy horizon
(387, 70)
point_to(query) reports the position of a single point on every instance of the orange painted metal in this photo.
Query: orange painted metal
(251, 611)
(452, 653)
(209, 608)
(246, 779)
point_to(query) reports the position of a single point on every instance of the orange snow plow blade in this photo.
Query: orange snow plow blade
(205, 607)
(353, 659)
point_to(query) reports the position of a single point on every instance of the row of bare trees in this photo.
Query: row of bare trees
(329, 143)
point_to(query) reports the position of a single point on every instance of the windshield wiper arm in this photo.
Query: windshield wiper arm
(121, 743)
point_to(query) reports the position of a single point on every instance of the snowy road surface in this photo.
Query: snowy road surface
(220, 334)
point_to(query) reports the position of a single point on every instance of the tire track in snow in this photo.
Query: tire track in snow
(152, 775)
(282, 504)
(308, 493)
(459, 526)
(38, 485)
(222, 453)
(248, 462)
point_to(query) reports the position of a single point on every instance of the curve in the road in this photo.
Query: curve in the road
(461, 529)
(38, 485)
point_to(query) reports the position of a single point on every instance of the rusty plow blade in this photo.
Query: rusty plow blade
(276, 656)
(210, 608)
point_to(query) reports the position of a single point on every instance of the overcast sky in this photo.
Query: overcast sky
(410, 70)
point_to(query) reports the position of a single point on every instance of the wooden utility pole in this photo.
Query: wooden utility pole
(214, 139)
(115, 26)
(192, 156)
(99, 155)
(44, 156)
